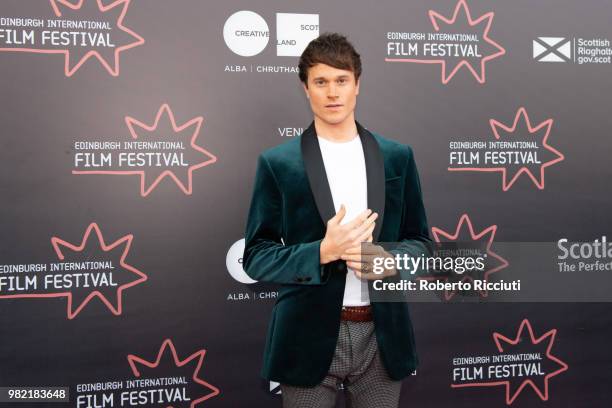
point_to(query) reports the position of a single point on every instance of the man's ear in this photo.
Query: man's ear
(357, 87)
(306, 90)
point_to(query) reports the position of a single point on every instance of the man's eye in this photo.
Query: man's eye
(319, 82)
(342, 81)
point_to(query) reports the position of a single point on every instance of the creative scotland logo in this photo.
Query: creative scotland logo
(247, 34)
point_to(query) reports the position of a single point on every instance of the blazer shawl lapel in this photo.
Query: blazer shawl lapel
(319, 185)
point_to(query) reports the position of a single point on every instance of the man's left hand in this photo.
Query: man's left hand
(362, 261)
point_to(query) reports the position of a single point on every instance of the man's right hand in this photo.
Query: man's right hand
(339, 238)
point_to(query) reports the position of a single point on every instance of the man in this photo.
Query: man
(317, 197)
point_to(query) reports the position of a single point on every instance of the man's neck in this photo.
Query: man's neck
(340, 132)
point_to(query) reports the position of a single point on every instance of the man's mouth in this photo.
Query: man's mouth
(333, 105)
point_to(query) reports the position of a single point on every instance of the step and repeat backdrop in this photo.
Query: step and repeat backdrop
(130, 134)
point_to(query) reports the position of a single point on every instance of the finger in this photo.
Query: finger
(360, 257)
(370, 249)
(355, 249)
(373, 217)
(368, 258)
(351, 257)
(361, 229)
(364, 249)
(336, 219)
(339, 215)
(364, 235)
(359, 219)
(356, 266)
(363, 267)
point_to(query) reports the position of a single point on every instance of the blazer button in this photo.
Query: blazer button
(308, 279)
(299, 279)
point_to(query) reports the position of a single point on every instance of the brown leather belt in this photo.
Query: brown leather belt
(356, 313)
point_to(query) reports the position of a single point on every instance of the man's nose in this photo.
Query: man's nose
(332, 91)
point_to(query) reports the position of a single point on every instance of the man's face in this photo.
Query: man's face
(332, 93)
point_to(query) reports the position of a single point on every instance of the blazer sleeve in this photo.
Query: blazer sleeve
(414, 239)
(266, 258)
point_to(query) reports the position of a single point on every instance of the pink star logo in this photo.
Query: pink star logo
(461, 22)
(197, 357)
(189, 130)
(91, 10)
(505, 343)
(74, 8)
(464, 232)
(93, 243)
(521, 129)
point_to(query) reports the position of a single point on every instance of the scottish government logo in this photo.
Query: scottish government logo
(575, 50)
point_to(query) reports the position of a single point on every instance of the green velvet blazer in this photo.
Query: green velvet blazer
(290, 206)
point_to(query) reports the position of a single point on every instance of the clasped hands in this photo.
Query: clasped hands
(343, 241)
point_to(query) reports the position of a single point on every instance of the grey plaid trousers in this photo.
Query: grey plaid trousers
(357, 366)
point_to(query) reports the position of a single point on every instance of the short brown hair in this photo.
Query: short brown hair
(332, 49)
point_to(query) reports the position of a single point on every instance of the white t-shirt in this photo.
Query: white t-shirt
(346, 173)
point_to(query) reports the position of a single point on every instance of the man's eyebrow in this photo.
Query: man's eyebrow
(343, 76)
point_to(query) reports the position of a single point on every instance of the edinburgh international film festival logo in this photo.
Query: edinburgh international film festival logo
(520, 148)
(81, 30)
(164, 380)
(458, 41)
(80, 273)
(476, 282)
(521, 362)
(158, 149)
